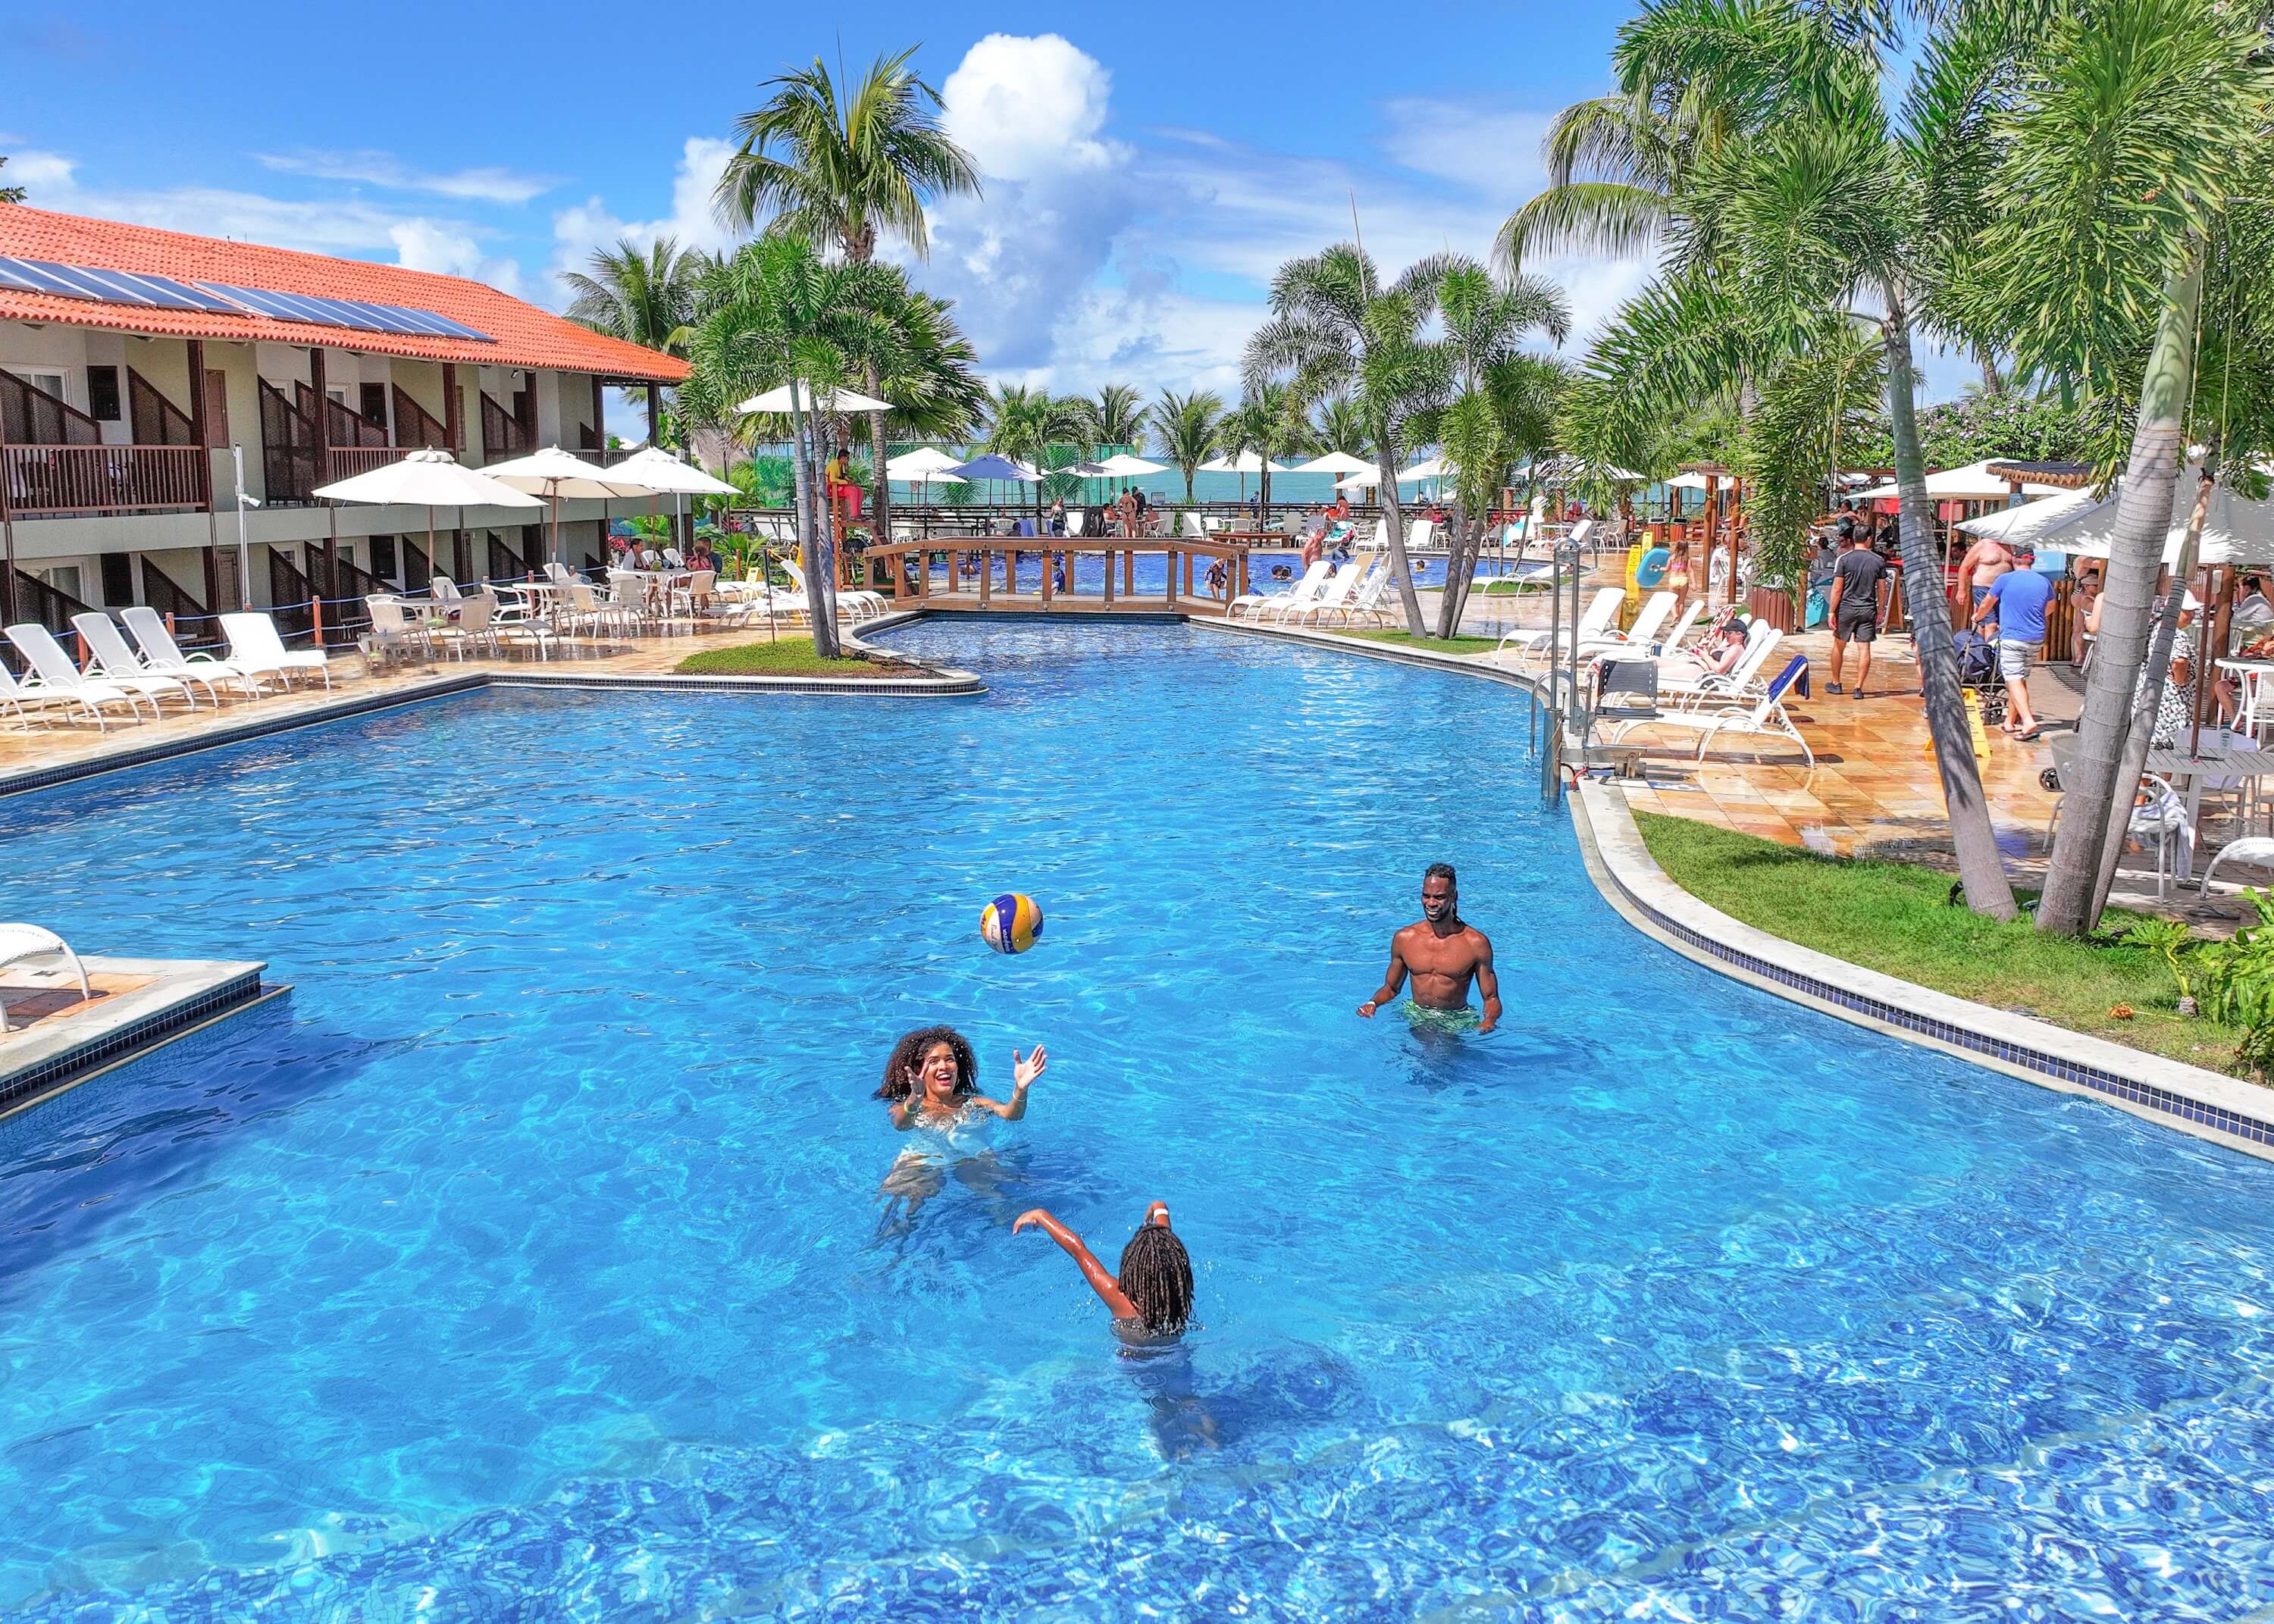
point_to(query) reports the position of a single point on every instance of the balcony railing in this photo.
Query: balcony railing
(346, 461)
(69, 479)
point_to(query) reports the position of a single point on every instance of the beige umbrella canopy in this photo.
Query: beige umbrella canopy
(1334, 463)
(427, 479)
(554, 474)
(809, 398)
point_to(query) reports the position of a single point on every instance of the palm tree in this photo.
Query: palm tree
(646, 297)
(9, 195)
(1335, 328)
(1031, 426)
(1339, 426)
(2117, 171)
(1115, 415)
(1185, 428)
(1269, 422)
(1613, 164)
(910, 348)
(780, 314)
(1814, 206)
(844, 172)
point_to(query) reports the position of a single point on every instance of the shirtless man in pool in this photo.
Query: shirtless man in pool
(1442, 954)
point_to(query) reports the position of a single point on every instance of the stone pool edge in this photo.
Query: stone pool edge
(2193, 1100)
(943, 683)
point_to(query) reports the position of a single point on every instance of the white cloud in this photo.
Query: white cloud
(422, 245)
(48, 171)
(486, 184)
(1028, 108)
(1494, 154)
(578, 230)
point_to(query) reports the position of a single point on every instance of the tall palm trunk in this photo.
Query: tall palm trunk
(2094, 782)
(880, 523)
(2141, 733)
(1393, 527)
(811, 553)
(1460, 565)
(1980, 870)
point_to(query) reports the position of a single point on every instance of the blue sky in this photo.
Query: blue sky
(1147, 167)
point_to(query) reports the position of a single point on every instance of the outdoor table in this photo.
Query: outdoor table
(2245, 761)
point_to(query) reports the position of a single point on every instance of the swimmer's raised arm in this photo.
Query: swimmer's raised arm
(1107, 1288)
(1024, 1070)
(1487, 983)
(1392, 979)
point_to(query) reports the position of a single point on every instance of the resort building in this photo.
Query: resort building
(168, 403)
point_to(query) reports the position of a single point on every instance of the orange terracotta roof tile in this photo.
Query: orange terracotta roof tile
(525, 335)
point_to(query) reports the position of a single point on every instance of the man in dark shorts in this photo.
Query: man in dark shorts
(1442, 954)
(1855, 581)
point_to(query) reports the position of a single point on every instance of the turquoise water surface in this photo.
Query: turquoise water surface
(544, 1256)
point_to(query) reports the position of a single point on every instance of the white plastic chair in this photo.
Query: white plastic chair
(1529, 641)
(162, 654)
(20, 943)
(114, 662)
(255, 646)
(53, 673)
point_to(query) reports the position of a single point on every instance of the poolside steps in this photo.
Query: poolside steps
(59, 1039)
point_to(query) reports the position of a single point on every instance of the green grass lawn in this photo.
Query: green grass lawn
(792, 657)
(1442, 645)
(1897, 919)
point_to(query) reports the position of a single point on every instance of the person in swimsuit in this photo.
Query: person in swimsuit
(1442, 954)
(933, 1077)
(1151, 1299)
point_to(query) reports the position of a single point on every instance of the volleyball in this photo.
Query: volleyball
(1011, 923)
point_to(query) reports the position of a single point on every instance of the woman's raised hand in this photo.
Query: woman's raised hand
(1029, 1218)
(1026, 1069)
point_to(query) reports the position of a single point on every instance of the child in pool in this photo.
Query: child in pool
(932, 1077)
(1151, 1299)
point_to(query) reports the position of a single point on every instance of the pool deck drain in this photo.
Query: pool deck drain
(59, 1039)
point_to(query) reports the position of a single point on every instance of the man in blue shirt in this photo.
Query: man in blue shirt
(2016, 601)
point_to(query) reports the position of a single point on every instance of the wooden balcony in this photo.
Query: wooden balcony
(49, 481)
(346, 461)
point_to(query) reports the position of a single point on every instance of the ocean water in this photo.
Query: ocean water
(544, 1257)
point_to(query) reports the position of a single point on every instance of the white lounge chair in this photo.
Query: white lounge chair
(1286, 605)
(1670, 640)
(859, 603)
(30, 704)
(53, 672)
(1638, 637)
(256, 649)
(1339, 593)
(21, 943)
(114, 662)
(1312, 577)
(49, 658)
(1528, 641)
(162, 655)
(1763, 717)
(1365, 601)
(1736, 683)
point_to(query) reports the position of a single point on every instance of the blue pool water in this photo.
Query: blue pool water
(531, 1260)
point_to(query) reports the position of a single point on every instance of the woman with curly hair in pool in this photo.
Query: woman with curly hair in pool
(933, 1077)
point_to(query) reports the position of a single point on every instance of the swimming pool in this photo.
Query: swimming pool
(531, 1260)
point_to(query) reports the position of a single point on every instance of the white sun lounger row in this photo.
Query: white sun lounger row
(120, 677)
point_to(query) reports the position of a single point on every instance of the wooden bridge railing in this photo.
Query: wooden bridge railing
(911, 571)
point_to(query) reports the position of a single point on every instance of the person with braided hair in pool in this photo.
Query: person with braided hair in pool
(1151, 1299)
(932, 1080)
(1443, 954)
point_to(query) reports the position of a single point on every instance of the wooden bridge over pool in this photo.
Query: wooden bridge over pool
(1101, 575)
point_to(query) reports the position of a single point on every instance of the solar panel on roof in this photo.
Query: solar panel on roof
(146, 292)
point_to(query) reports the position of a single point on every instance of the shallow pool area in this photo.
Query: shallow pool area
(544, 1256)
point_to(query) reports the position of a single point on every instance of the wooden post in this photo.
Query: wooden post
(1129, 573)
(1242, 589)
(1109, 577)
(1169, 556)
(316, 620)
(8, 535)
(321, 430)
(923, 575)
(199, 436)
(453, 410)
(986, 576)
(1713, 534)
(1050, 573)
(654, 413)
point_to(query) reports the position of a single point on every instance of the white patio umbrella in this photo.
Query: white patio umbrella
(668, 474)
(429, 479)
(1974, 482)
(553, 474)
(2236, 530)
(1334, 463)
(1245, 463)
(809, 398)
(1121, 465)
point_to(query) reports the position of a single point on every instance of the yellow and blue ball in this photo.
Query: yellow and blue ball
(1011, 923)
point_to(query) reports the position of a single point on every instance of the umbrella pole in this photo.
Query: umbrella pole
(766, 579)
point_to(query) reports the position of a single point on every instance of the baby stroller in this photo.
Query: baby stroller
(1977, 671)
